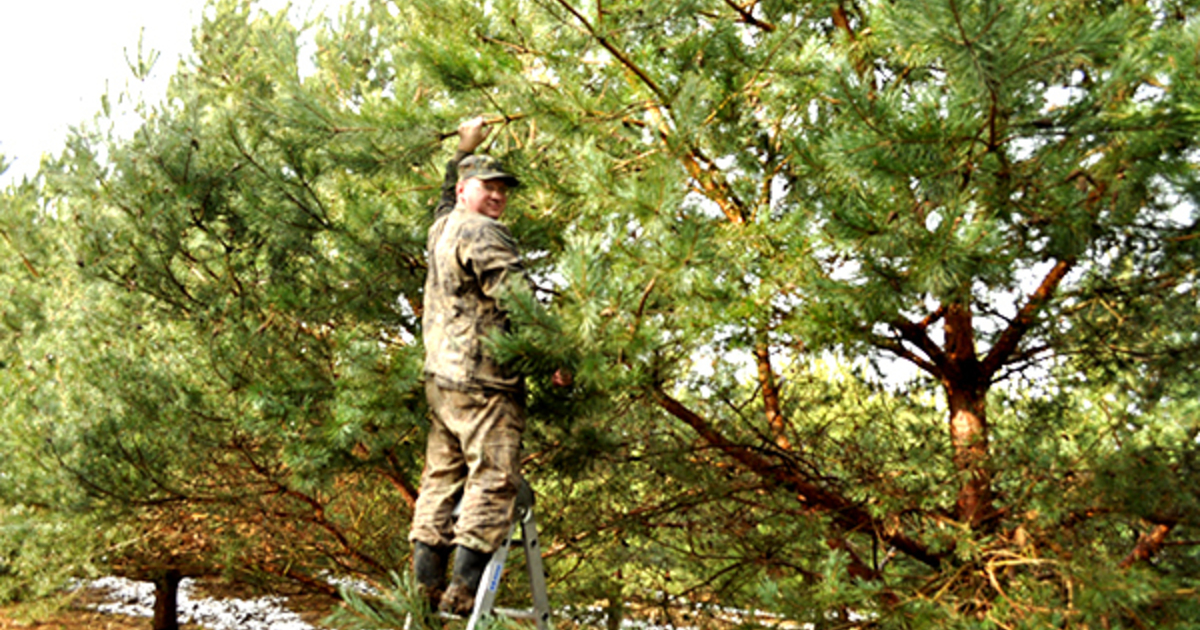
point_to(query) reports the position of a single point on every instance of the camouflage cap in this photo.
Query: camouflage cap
(485, 167)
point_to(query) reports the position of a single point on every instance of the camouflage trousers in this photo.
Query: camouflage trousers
(473, 455)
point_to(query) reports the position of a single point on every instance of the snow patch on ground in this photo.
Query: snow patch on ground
(128, 597)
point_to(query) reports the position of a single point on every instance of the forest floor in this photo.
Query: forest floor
(122, 605)
(75, 612)
(76, 619)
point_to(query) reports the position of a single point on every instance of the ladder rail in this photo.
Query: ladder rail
(485, 597)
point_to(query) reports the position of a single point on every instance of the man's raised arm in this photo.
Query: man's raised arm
(471, 134)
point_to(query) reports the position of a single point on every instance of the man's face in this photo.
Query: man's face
(487, 197)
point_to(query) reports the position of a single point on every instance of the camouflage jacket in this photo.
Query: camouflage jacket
(449, 196)
(473, 261)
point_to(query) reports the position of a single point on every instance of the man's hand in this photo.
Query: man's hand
(562, 378)
(472, 133)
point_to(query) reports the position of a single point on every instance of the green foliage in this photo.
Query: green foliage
(740, 216)
(43, 550)
(401, 606)
(398, 605)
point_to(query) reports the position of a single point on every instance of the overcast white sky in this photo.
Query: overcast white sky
(57, 57)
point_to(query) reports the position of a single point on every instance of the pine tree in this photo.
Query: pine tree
(992, 193)
(242, 384)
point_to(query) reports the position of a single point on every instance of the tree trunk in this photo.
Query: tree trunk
(966, 387)
(166, 601)
(969, 437)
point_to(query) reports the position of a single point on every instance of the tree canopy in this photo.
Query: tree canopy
(881, 314)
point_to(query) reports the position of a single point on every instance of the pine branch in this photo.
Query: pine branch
(402, 485)
(316, 515)
(856, 567)
(28, 265)
(489, 120)
(841, 21)
(712, 185)
(897, 348)
(637, 315)
(918, 335)
(321, 219)
(848, 515)
(289, 572)
(1148, 544)
(766, 379)
(1010, 339)
(747, 17)
(616, 52)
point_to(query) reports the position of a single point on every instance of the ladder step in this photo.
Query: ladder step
(517, 613)
(525, 614)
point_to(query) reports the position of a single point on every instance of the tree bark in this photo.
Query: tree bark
(770, 394)
(966, 387)
(966, 380)
(969, 437)
(166, 600)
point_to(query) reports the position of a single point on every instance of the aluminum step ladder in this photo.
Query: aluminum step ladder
(485, 597)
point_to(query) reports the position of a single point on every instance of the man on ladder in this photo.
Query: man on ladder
(478, 409)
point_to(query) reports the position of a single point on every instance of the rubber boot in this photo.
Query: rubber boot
(468, 571)
(429, 567)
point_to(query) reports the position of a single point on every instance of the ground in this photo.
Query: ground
(70, 614)
(76, 619)
(74, 612)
